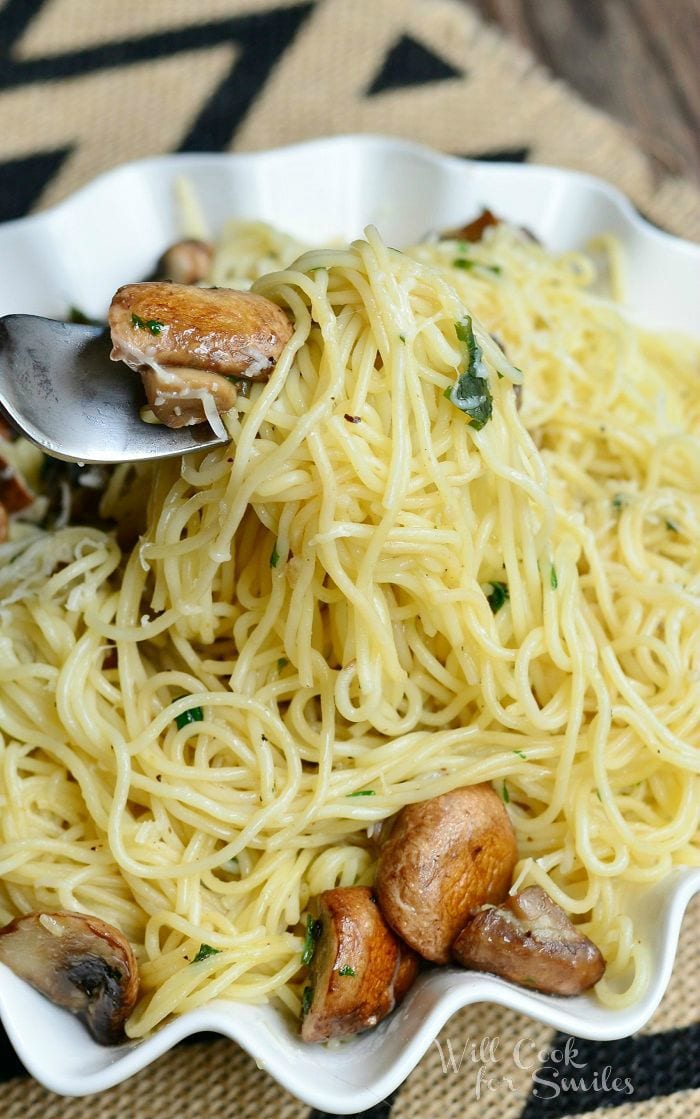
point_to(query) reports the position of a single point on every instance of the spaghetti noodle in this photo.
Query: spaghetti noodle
(363, 601)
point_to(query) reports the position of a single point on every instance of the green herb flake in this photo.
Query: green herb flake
(597, 793)
(521, 754)
(402, 338)
(618, 501)
(346, 970)
(153, 325)
(275, 557)
(671, 527)
(313, 931)
(553, 581)
(506, 794)
(205, 950)
(470, 392)
(282, 663)
(363, 793)
(78, 316)
(467, 264)
(194, 715)
(499, 595)
(306, 997)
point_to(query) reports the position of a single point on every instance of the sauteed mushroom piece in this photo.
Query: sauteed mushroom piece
(531, 941)
(186, 262)
(443, 859)
(359, 970)
(15, 494)
(188, 342)
(79, 963)
(474, 230)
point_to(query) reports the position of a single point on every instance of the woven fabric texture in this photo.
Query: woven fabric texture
(86, 85)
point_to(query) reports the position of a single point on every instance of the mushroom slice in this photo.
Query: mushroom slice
(359, 970)
(187, 341)
(181, 397)
(79, 963)
(443, 859)
(531, 941)
(15, 495)
(474, 230)
(186, 262)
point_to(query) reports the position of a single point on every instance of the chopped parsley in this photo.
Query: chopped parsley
(274, 557)
(78, 316)
(618, 501)
(521, 754)
(313, 931)
(470, 392)
(497, 598)
(467, 264)
(306, 997)
(553, 581)
(194, 715)
(506, 794)
(362, 793)
(153, 325)
(205, 950)
(402, 338)
(282, 663)
(346, 970)
(597, 793)
(671, 527)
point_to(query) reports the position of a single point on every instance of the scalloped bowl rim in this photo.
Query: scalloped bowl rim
(54, 263)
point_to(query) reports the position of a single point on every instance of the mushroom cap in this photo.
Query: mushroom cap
(78, 962)
(218, 330)
(359, 971)
(531, 941)
(474, 230)
(443, 859)
(186, 262)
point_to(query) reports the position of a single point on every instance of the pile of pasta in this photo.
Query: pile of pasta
(366, 599)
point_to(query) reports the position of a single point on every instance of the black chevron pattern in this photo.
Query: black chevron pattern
(410, 63)
(658, 1064)
(23, 180)
(260, 37)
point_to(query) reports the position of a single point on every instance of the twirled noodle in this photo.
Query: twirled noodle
(319, 589)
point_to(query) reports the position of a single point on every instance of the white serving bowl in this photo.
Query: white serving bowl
(111, 232)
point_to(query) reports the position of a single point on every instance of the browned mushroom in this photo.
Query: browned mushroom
(444, 858)
(188, 342)
(186, 262)
(531, 941)
(79, 963)
(359, 970)
(15, 495)
(474, 230)
(4, 524)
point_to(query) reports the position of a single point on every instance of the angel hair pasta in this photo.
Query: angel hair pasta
(396, 579)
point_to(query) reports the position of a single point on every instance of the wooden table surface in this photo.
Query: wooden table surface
(639, 60)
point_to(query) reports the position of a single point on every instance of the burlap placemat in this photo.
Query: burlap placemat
(87, 84)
